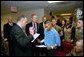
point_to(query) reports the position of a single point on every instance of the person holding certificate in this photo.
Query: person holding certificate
(20, 41)
(51, 39)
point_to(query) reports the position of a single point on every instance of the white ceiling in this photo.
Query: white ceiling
(28, 5)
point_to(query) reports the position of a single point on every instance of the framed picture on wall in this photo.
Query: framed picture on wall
(13, 9)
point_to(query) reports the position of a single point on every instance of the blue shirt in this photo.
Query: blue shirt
(51, 37)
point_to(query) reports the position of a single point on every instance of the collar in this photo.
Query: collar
(19, 25)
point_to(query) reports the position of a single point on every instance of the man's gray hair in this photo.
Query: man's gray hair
(20, 17)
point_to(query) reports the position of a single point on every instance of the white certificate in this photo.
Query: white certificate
(41, 46)
(35, 36)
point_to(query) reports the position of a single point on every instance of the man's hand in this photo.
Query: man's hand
(49, 48)
(61, 33)
(39, 41)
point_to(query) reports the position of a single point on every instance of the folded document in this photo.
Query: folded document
(35, 36)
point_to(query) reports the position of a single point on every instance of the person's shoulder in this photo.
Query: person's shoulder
(28, 24)
(77, 29)
(15, 27)
(45, 30)
(54, 30)
(58, 26)
(41, 23)
(6, 24)
(14, 23)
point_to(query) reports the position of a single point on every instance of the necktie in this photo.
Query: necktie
(35, 28)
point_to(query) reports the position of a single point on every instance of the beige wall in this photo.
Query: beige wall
(39, 12)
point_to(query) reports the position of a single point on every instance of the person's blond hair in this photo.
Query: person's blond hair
(43, 17)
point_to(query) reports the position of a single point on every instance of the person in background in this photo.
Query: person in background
(41, 36)
(67, 31)
(41, 29)
(51, 39)
(62, 36)
(32, 23)
(79, 29)
(54, 24)
(6, 30)
(21, 41)
(78, 49)
(58, 21)
(73, 29)
(35, 25)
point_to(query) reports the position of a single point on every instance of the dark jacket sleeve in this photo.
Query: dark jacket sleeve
(5, 31)
(41, 31)
(20, 37)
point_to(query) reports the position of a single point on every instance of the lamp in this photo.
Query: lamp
(53, 1)
(66, 14)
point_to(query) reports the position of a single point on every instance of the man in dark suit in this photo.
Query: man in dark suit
(20, 41)
(41, 29)
(41, 36)
(6, 29)
(35, 25)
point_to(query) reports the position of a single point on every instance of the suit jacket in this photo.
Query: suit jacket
(30, 25)
(7, 29)
(20, 42)
(41, 31)
(27, 32)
